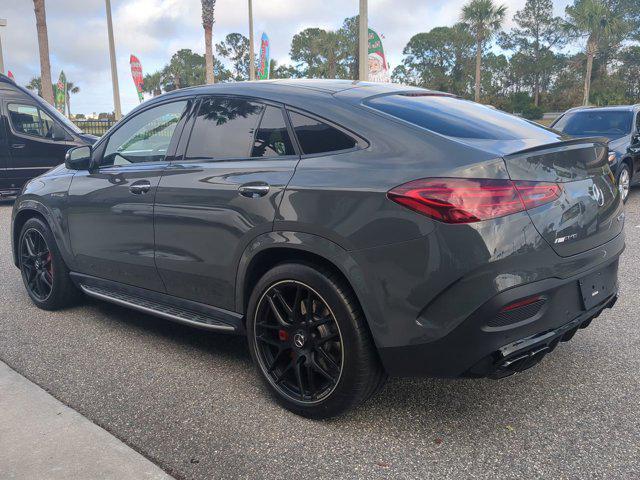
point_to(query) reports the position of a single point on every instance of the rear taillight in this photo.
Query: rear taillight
(466, 200)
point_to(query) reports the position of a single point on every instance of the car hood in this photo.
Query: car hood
(620, 145)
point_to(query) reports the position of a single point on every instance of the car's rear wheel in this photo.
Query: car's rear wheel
(310, 343)
(44, 273)
(624, 181)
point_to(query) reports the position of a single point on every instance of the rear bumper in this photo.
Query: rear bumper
(492, 343)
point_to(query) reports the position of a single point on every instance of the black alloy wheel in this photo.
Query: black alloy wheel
(36, 264)
(298, 342)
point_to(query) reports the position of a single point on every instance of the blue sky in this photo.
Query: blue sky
(154, 29)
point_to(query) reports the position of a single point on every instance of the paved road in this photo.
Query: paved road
(190, 400)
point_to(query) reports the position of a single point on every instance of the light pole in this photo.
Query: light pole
(363, 43)
(252, 59)
(114, 70)
(3, 23)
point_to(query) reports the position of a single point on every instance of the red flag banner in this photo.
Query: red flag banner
(136, 73)
(10, 75)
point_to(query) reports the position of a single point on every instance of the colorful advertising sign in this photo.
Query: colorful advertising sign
(378, 66)
(136, 73)
(10, 75)
(263, 70)
(61, 93)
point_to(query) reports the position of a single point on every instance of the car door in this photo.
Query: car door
(110, 207)
(4, 152)
(32, 145)
(221, 195)
(634, 144)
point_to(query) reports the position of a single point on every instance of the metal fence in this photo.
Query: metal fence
(94, 127)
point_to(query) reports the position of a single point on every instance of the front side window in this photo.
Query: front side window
(145, 137)
(272, 138)
(26, 119)
(315, 136)
(224, 129)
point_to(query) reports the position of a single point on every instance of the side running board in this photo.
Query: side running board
(158, 308)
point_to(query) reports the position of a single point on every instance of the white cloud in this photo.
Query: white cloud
(154, 29)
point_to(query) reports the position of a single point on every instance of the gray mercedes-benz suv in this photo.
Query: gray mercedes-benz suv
(350, 230)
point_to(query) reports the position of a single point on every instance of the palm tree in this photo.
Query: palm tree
(594, 20)
(153, 83)
(43, 45)
(208, 7)
(71, 89)
(35, 85)
(485, 19)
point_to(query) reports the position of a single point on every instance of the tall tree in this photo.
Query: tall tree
(208, 7)
(153, 83)
(536, 33)
(437, 59)
(595, 21)
(235, 48)
(485, 19)
(320, 53)
(72, 89)
(43, 46)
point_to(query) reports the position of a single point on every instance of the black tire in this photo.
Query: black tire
(62, 292)
(624, 173)
(361, 373)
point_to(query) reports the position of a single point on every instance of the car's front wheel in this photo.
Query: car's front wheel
(624, 181)
(308, 339)
(44, 273)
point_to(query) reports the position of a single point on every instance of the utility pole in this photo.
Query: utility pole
(3, 23)
(114, 69)
(252, 58)
(363, 43)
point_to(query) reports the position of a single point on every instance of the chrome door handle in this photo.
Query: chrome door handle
(17, 145)
(140, 187)
(254, 190)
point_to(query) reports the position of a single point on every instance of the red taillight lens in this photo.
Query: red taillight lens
(534, 194)
(462, 200)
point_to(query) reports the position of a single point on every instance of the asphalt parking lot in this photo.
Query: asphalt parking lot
(190, 401)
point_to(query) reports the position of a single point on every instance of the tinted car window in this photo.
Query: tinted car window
(609, 124)
(224, 128)
(272, 139)
(455, 117)
(315, 136)
(145, 137)
(25, 119)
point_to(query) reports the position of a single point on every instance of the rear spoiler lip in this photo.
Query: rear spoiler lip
(569, 142)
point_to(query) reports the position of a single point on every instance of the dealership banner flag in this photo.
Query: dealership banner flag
(263, 70)
(61, 93)
(378, 66)
(136, 73)
(10, 75)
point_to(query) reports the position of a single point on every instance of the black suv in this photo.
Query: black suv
(350, 230)
(34, 137)
(621, 126)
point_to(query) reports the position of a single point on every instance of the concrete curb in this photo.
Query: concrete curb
(42, 438)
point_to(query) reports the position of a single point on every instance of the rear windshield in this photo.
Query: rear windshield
(609, 124)
(455, 117)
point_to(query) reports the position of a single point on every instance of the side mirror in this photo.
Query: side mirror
(58, 133)
(635, 138)
(78, 158)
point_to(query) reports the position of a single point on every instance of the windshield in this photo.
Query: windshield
(62, 119)
(610, 124)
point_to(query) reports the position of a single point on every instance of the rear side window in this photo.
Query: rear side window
(458, 118)
(224, 128)
(315, 136)
(272, 139)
